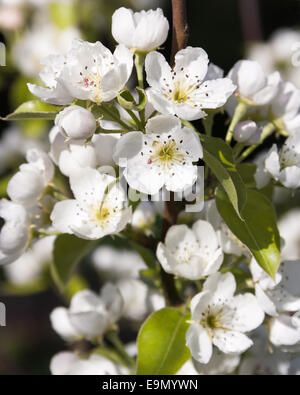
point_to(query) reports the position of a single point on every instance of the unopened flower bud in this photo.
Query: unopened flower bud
(247, 133)
(75, 122)
(142, 31)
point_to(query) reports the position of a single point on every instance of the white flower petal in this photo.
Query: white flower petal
(248, 314)
(193, 61)
(222, 286)
(199, 343)
(60, 322)
(231, 342)
(157, 69)
(63, 215)
(63, 362)
(214, 93)
(283, 332)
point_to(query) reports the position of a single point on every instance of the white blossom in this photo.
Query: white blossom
(30, 265)
(41, 40)
(94, 212)
(285, 108)
(89, 315)
(284, 332)
(123, 267)
(263, 361)
(76, 122)
(289, 230)
(277, 54)
(140, 31)
(28, 184)
(281, 295)
(89, 71)
(163, 156)
(253, 87)
(14, 235)
(117, 264)
(139, 299)
(219, 318)
(283, 165)
(183, 90)
(191, 253)
(69, 363)
(247, 133)
(220, 363)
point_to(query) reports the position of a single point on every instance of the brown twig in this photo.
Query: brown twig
(180, 27)
(250, 20)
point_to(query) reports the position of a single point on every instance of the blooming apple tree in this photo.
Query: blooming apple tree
(201, 270)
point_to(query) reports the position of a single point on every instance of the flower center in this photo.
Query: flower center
(102, 214)
(212, 320)
(166, 153)
(181, 92)
(91, 79)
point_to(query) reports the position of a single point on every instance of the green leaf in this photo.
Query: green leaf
(258, 231)
(34, 109)
(3, 185)
(218, 156)
(126, 100)
(107, 112)
(142, 99)
(247, 171)
(161, 343)
(30, 288)
(68, 252)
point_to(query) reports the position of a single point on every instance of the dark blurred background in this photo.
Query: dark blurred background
(222, 28)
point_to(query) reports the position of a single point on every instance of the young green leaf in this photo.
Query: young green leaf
(34, 109)
(218, 156)
(126, 100)
(258, 231)
(142, 99)
(107, 112)
(161, 343)
(68, 252)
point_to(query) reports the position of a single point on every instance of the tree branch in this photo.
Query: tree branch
(180, 27)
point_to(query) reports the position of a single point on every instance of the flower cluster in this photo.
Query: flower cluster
(115, 157)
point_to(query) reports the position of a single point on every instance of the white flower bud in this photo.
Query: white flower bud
(75, 122)
(89, 315)
(28, 184)
(253, 86)
(247, 133)
(144, 31)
